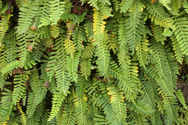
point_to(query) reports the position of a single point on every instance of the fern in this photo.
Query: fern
(93, 62)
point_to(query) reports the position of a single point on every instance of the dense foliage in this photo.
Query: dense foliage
(92, 62)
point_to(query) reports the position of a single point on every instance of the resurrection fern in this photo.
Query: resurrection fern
(93, 62)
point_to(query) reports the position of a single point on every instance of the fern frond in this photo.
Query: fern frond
(158, 31)
(165, 3)
(177, 50)
(103, 55)
(62, 79)
(88, 52)
(10, 46)
(23, 118)
(10, 67)
(98, 26)
(140, 106)
(169, 106)
(68, 115)
(142, 52)
(22, 40)
(122, 33)
(44, 11)
(85, 66)
(125, 5)
(54, 30)
(181, 34)
(70, 47)
(6, 105)
(159, 16)
(128, 83)
(79, 37)
(181, 98)
(105, 10)
(72, 66)
(26, 15)
(4, 26)
(58, 98)
(56, 10)
(135, 25)
(118, 105)
(19, 87)
(80, 110)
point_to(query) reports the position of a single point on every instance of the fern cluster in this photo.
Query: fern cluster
(92, 62)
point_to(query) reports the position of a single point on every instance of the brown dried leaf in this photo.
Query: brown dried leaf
(30, 48)
(153, 1)
(33, 27)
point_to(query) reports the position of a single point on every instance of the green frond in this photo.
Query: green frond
(165, 3)
(70, 47)
(140, 106)
(50, 69)
(124, 79)
(149, 90)
(44, 11)
(68, 16)
(158, 15)
(10, 46)
(19, 87)
(22, 52)
(122, 33)
(103, 55)
(80, 110)
(158, 57)
(181, 98)
(135, 25)
(4, 26)
(54, 30)
(125, 5)
(105, 10)
(85, 65)
(186, 7)
(118, 105)
(88, 26)
(100, 120)
(72, 66)
(88, 52)
(62, 79)
(79, 37)
(142, 52)
(57, 101)
(169, 106)
(158, 33)
(6, 105)
(68, 115)
(175, 6)
(10, 67)
(26, 15)
(181, 34)
(23, 118)
(56, 10)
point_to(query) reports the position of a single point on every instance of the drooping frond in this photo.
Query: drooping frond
(181, 33)
(26, 15)
(135, 25)
(19, 88)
